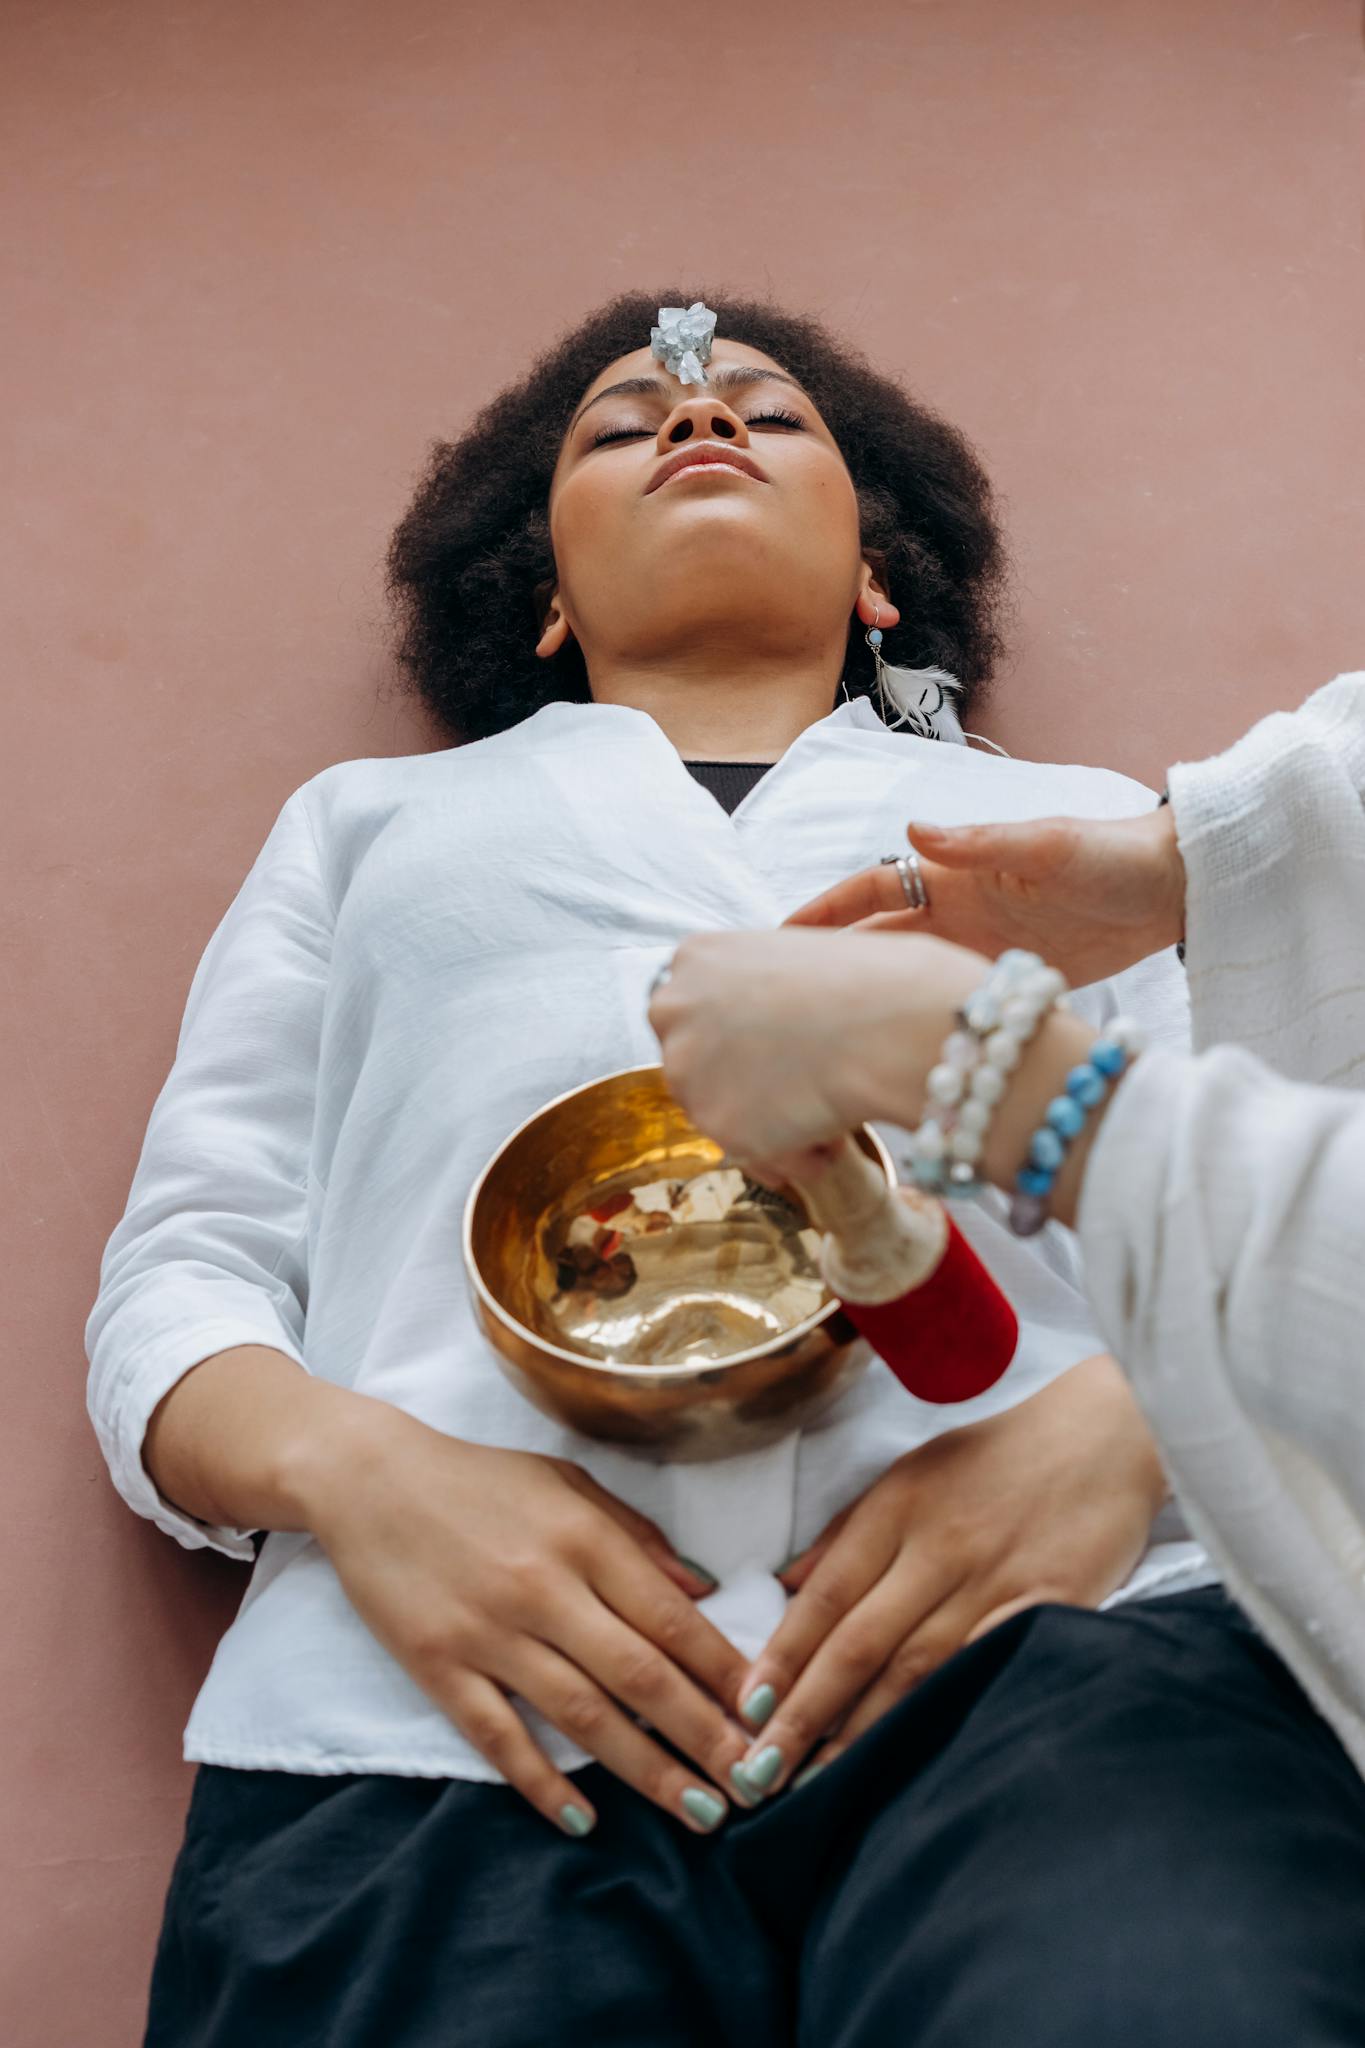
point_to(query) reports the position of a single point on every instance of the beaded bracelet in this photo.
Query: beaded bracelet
(973, 1072)
(1087, 1086)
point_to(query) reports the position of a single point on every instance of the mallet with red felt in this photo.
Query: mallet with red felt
(908, 1280)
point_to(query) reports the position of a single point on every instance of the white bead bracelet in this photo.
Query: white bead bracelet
(973, 1071)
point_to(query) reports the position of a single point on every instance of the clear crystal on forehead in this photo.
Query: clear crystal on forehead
(682, 340)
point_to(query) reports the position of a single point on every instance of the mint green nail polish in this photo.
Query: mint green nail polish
(698, 1571)
(758, 1773)
(759, 1705)
(804, 1777)
(703, 1807)
(744, 1791)
(575, 1821)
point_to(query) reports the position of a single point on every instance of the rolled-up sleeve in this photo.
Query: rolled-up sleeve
(211, 1252)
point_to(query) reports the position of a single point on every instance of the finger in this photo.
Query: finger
(848, 902)
(798, 1569)
(789, 1172)
(837, 1580)
(666, 1620)
(897, 921)
(487, 1718)
(635, 1671)
(940, 1636)
(1026, 849)
(846, 1665)
(693, 1578)
(1007, 1609)
(955, 910)
(576, 1704)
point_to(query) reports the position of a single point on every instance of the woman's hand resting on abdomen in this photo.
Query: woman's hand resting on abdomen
(1052, 1500)
(492, 1572)
(484, 1572)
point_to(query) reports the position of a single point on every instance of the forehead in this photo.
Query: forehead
(642, 363)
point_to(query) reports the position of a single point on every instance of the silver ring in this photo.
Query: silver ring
(912, 878)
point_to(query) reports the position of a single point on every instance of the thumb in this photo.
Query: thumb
(1030, 850)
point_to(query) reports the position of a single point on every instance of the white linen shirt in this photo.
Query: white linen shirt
(426, 951)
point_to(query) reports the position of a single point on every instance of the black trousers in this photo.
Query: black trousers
(1125, 1830)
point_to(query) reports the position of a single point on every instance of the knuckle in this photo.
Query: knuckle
(827, 1597)
(578, 1537)
(672, 1624)
(799, 1728)
(434, 1648)
(644, 1530)
(913, 1663)
(857, 1656)
(427, 1649)
(583, 1712)
(659, 1780)
(782, 1667)
(523, 1580)
(489, 1733)
(642, 1675)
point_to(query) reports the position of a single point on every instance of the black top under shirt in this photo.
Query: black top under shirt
(728, 781)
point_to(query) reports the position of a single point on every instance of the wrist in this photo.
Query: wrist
(1061, 1042)
(330, 1449)
(1136, 1457)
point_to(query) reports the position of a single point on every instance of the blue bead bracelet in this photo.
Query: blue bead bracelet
(1066, 1116)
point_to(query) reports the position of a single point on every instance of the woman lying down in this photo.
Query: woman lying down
(482, 1757)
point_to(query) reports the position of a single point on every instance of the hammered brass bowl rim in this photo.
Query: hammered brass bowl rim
(682, 1367)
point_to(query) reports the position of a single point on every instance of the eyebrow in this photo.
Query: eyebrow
(734, 377)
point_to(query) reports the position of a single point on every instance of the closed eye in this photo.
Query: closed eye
(777, 417)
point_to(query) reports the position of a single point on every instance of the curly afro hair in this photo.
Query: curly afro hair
(470, 567)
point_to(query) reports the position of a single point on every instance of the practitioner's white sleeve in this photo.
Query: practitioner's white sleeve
(1223, 1215)
(1223, 1226)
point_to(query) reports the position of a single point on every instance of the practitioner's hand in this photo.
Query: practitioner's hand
(1092, 896)
(1052, 1500)
(492, 1572)
(777, 1041)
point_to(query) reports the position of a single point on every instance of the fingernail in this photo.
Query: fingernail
(575, 1820)
(804, 1777)
(744, 1792)
(760, 1703)
(704, 1808)
(698, 1571)
(758, 1773)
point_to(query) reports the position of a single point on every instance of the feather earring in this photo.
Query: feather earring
(919, 700)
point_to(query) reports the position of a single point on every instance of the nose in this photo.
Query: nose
(702, 416)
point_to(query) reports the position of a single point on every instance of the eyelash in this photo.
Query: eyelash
(778, 416)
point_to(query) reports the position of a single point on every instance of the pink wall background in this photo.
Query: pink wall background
(257, 255)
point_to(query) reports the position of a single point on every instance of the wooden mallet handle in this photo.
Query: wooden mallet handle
(908, 1280)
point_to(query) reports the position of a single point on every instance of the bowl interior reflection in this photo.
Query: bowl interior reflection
(613, 1230)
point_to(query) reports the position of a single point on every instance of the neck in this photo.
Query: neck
(722, 710)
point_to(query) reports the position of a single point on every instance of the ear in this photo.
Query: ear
(555, 631)
(873, 605)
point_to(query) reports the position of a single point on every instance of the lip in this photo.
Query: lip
(701, 455)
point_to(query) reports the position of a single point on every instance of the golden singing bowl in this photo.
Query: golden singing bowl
(695, 1340)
